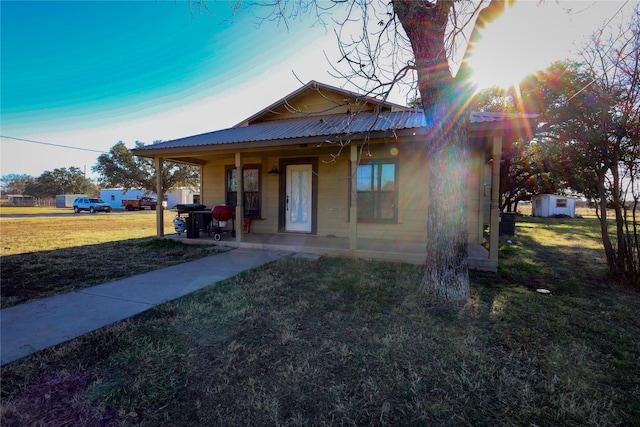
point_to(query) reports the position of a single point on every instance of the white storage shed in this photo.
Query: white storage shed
(66, 200)
(550, 205)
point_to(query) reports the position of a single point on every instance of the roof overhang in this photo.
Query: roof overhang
(409, 126)
(267, 145)
(508, 124)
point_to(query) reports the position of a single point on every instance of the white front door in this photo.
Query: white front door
(298, 209)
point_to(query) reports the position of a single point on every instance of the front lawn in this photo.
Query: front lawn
(342, 342)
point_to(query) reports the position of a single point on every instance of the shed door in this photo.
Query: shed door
(298, 198)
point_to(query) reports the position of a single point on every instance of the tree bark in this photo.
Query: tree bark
(446, 273)
(610, 253)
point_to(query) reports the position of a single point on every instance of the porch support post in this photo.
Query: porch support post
(239, 197)
(495, 197)
(159, 207)
(353, 204)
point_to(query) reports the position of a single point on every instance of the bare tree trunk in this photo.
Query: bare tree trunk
(609, 251)
(634, 235)
(446, 274)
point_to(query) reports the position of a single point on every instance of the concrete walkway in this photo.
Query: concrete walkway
(34, 326)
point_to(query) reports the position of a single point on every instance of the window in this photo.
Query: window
(377, 191)
(251, 184)
(561, 203)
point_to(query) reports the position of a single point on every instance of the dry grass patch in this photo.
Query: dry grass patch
(48, 256)
(347, 342)
(34, 233)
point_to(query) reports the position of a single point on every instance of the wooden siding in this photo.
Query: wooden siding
(333, 197)
(333, 192)
(475, 196)
(311, 103)
(212, 191)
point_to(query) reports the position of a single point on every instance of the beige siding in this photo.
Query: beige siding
(475, 191)
(333, 198)
(212, 192)
(270, 199)
(312, 103)
(333, 193)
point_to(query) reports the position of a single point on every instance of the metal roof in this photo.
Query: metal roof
(338, 125)
(333, 127)
(490, 117)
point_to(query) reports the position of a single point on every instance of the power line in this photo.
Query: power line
(53, 145)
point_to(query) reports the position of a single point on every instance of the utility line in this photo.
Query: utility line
(53, 145)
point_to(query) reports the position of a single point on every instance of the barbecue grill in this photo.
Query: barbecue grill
(197, 218)
(190, 207)
(221, 215)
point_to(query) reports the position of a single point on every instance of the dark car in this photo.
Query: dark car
(90, 204)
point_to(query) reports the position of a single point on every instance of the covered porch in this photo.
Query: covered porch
(280, 169)
(376, 249)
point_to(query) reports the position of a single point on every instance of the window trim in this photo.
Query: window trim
(379, 163)
(228, 169)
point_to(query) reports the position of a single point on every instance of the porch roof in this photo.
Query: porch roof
(332, 128)
(325, 127)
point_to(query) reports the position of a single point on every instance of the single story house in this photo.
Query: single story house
(550, 205)
(328, 171)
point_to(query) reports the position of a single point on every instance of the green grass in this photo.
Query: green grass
(349, 342)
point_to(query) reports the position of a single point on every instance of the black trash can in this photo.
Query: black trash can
(202, 220)
(192, 228)
(507, 223)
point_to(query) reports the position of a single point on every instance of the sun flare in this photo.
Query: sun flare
(509, 49)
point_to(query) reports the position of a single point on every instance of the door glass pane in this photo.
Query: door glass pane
(299, 203)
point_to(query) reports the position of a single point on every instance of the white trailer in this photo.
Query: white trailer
(115, 196)
(182, 196)
(550, 205)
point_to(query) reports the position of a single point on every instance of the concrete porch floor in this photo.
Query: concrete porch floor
(378, 249)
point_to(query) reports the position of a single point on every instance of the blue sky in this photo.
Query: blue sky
(89, 74)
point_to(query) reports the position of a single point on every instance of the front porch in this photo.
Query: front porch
(377, 249)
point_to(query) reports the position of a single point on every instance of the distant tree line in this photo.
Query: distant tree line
(49, 184)
(117, 169)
